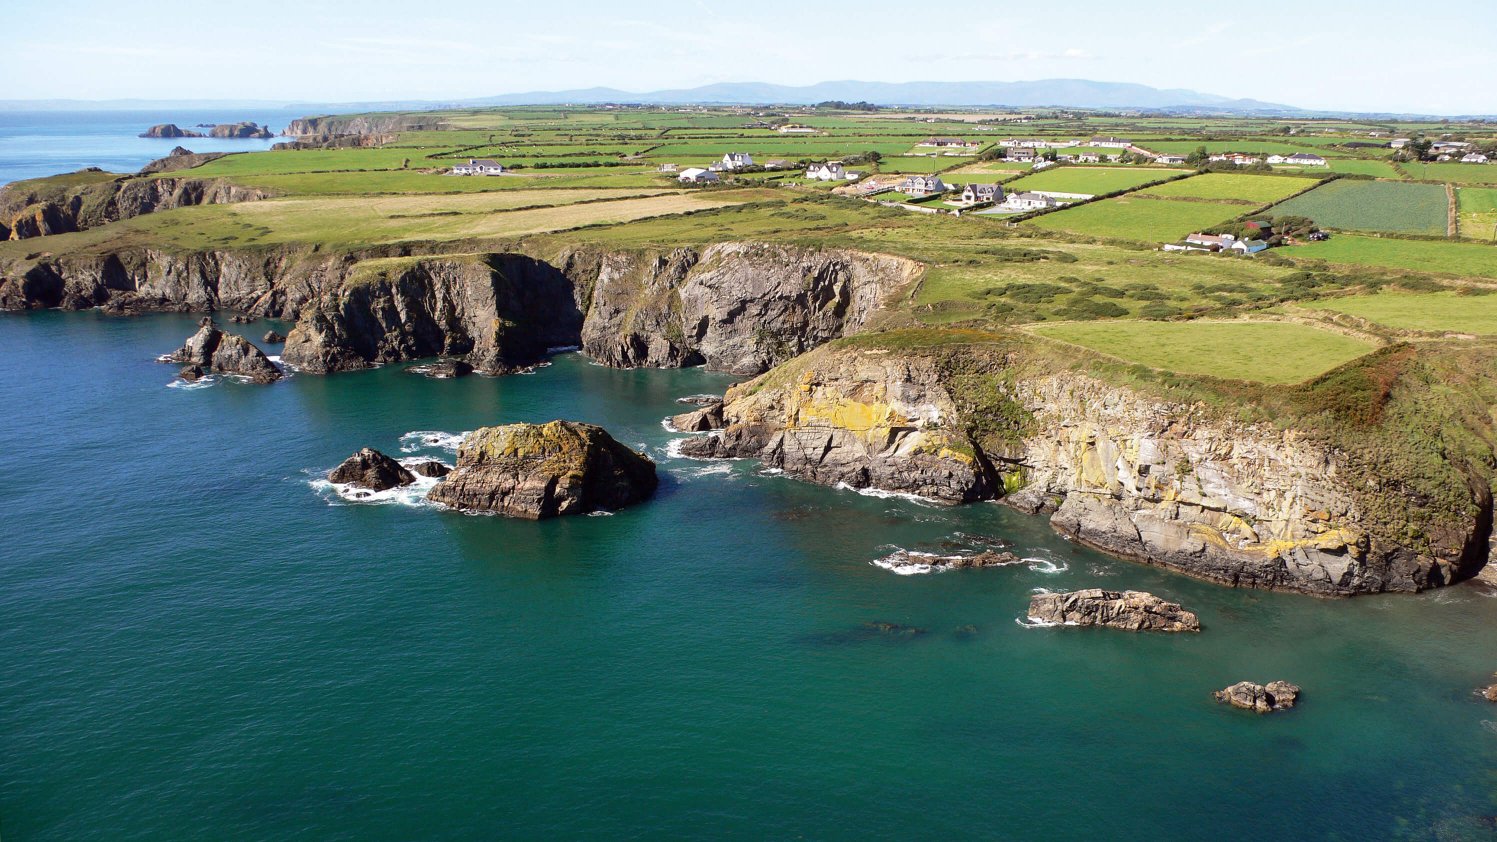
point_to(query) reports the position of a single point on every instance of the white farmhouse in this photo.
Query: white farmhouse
(1110, 142)
(697, 175)
(1028, 202)
(479, 166)
(922, 185)
(737, 161)
(1303, 159)
(831, 171)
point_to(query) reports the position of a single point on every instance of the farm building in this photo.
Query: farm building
(697, 175)
(974, 194)
(922, 185)
(831, 171)
(1110, 142)
(479, 166)
(948, 142)
(1248, 246)
(1304, 159)
(794, 129)
(1237, 158)
(1475, 158)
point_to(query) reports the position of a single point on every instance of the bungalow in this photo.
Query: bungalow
(794, 129)
(697, 175)
(922, 185)
(1170, 159)
(1214, 242)
(737, 160)
(1248, 246)
(1089, 158)
(1237, 158)
(1111, 142)
(1475, 158)
(1022, 154)
(1029, 202)
(974, 194)
(1304, 159)
(831, 171)
(946, 142)
(481, 166)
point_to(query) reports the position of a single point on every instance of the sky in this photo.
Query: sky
(1372, 55)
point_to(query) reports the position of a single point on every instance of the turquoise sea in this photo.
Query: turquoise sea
(198, 643)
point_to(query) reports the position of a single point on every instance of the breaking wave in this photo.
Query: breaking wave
(342, 494)
(886, 495)
(418, 440)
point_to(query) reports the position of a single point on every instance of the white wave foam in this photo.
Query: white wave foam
(886, 495)
(914, 562)
(669, 427)
(341, 494)
(1037, 623)
(600, 513)
(189, 385)
(1040, 590)
(699, 400)
(418, 440)
(1045, 565)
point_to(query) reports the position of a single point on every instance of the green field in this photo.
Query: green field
(1454, 172)
(1267, 352)
(1374, 206)
(1467, 259)
(1145, 220)
(921, 163)
(1247, 145)
(1478, 212)
(1091, 180)
(1436, 312)
(1254, 189)
(1357, 166)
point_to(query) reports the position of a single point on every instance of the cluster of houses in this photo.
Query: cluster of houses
(1218, 243)
(922, 186)
(730, 162)
(1298, 159)
(949, 143)
(1448, 150)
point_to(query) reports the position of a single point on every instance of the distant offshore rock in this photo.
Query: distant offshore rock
(1127, 610)
(241, 131)
(1277, 695)
(212, 350)
(168, 130)
(372, 470)
(537, 471)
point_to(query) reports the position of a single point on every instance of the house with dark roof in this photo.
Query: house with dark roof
(975, 194)
(1111, 142)
(922, 185)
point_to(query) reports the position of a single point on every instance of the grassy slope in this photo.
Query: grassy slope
(1435, 312)
(1466, 259)
(1144, 220)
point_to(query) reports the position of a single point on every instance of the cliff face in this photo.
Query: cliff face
(737, 307)
(497, 313)
(26, 211)
(1248, 505)
(356, 124)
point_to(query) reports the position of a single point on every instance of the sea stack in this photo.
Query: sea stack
(1127, 610)
(212, 350)
(372, 470)
(537, 471)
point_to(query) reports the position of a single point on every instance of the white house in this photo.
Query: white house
(792, 128)
(480, 166)
(697, 175)
(1248, 246)
(1237, 158)
(1111, 142)
(1089, 158)
(974, 194)
(1303, 159)
(948, 142)
(1475, 158)
(737, 161)
(1170, 159)
(922, 185)
(1028, 202)
(831, 171)
(1021, 154)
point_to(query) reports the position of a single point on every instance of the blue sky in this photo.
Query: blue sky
(1369, 55)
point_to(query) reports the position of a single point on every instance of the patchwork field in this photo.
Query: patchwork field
(1436, 312)
(1374, 206)
(1267, 352)
(1454, 172)
(921, 163)
(1091, 180)
(1252, 189)
(1145, 220)
(1478, 212)
(1358, 166)
(1466, 259)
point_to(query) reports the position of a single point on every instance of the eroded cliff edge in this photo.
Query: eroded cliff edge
(1354, 483)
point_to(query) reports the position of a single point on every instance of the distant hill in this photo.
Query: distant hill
(1073, 93)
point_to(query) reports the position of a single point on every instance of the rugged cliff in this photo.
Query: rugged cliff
(1335, 503)
(38, 208)
(357, 124)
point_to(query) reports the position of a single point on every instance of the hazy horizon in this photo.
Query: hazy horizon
(1342, 56)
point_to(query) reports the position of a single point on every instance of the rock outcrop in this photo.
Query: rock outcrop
(1127, 610)
(371, 470)
(241, 131)
(737, 307)
(212, 350)
(709, 417)
(168, 130)
(431, 468)
(180, 159)
(497, 313)
(273, 338)
(41, 207)
(1182, 485)
(1277, 695)
(442, 369)
(539, 471)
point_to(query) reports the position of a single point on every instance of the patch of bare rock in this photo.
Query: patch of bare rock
(1127, 610)
(1260, 698)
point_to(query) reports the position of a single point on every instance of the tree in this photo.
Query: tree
(1198, 157)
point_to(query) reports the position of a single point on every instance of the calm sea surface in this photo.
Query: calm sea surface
(196, 642)
(40, 143)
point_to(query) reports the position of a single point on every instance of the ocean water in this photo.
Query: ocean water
(199, 642)
(41, 143)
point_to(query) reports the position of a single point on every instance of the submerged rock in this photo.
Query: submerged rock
(1278, 695)
(212, 350)
(273, 338)
(539, 471)
(192, 373)
(431, 468)
(372, 470)
(709, 417)
(1128, 610)
(987, 558)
